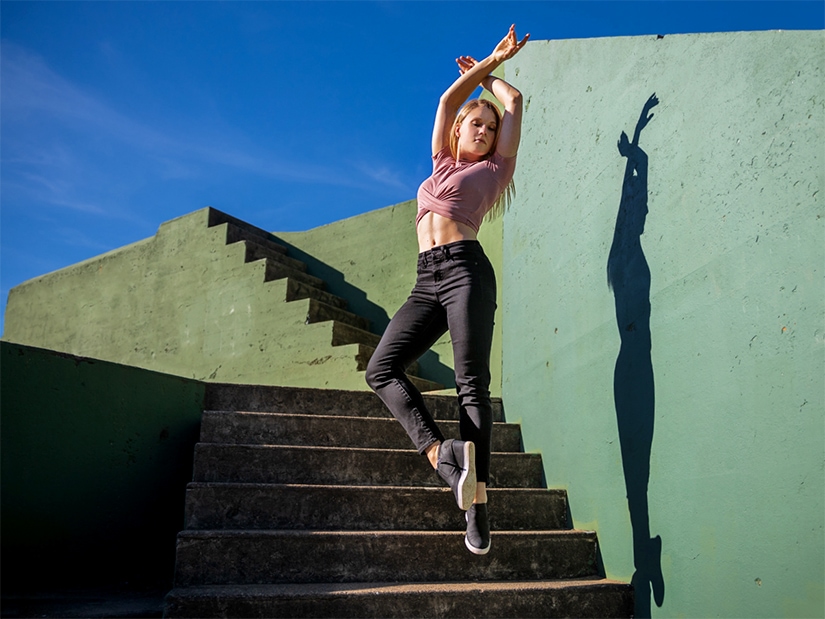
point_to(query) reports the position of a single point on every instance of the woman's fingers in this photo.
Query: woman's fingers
(465, 63)
(510, 45)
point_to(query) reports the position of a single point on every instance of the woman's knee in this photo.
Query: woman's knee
(373, 373)
(379, 371)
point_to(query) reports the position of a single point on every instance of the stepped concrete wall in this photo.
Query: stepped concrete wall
(183, 302)
(95, 460)
(685, 402)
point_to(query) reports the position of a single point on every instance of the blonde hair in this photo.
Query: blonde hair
(504, 199)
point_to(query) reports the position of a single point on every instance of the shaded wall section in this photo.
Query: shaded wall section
(663, 310)
(95, 461)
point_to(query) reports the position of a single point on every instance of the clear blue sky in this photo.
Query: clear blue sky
(118, 116)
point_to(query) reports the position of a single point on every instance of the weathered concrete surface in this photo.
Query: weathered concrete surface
(583, 598)
(289, 556)
(309, 401)
(380, 508)
(319, 493)
(273, 464)
(688, 401)
(328, 430)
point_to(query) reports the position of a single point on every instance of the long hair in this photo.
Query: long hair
(504, 199)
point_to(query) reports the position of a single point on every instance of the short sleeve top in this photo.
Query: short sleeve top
(464, 192)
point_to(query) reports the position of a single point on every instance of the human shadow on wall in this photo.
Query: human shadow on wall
(628, 275)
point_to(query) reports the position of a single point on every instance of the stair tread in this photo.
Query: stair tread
(371, 588)
(315, 533)
(269, 556)
(357, 466)
(317, 448)
(348, 487)
(228, 427)
(265, 398)
(275, 414)
(580, 597)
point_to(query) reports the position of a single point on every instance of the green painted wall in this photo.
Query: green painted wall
(183, 302)
(95, 460)
(716, 382)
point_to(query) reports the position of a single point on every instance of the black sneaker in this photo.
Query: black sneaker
(477, 539)
(457, 466)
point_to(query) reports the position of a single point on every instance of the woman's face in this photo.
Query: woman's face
(476, 133)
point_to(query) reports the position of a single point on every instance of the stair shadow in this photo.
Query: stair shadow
(357, 302)
(628, 275)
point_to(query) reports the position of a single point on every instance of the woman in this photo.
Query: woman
(474, 154)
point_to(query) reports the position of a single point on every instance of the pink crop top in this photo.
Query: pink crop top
(464, 193)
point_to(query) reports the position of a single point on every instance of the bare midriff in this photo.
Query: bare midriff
(434, 230)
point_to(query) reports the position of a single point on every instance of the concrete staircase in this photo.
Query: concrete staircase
(312, 503)
(347, 328)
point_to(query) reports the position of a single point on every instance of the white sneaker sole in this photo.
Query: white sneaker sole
(474, 550)
(467, 481)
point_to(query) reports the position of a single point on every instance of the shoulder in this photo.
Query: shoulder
(443, 154)
(500, 161)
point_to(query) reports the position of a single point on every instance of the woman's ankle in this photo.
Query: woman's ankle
(432, 453)
(481, 492)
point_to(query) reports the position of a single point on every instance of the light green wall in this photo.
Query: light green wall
(734, 244)
(95, 461)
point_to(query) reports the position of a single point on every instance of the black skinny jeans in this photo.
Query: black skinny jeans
(455, 291)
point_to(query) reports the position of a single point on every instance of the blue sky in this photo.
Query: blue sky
(118, 116)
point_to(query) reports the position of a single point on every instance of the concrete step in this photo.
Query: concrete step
(243, 428)
(362, 359)
(278, 270)
(318, 311)
(583, 598)
(423, 385)
(306, 401)
(216, 462)
(239, 230)
(343, 334)
(297, 290)
(365, 353)
(271, 557)
(352, 508)
(258, 251)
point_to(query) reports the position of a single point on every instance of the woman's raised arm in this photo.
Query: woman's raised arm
(509, 134)
(470, 78)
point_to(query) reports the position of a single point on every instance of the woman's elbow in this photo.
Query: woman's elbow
(513, 105)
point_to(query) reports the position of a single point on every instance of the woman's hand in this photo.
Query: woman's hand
(465, 63)
(509, 46)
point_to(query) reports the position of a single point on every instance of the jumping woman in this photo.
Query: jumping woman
(474, 156)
